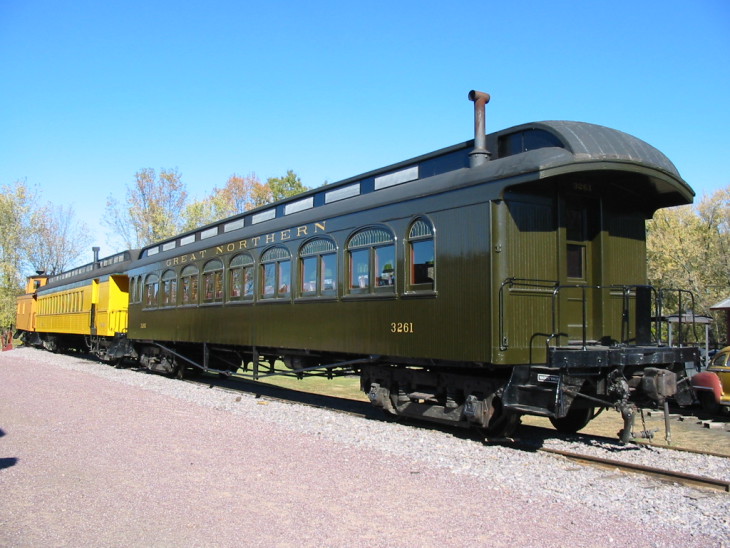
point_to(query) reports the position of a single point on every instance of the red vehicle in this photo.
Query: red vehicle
(712, 386)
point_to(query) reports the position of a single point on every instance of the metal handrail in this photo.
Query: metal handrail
(680, 292)
(628, 293)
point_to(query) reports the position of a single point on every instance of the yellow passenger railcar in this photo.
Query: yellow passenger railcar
(83, 309)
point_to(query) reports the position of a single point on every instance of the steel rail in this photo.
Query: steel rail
(681, 477)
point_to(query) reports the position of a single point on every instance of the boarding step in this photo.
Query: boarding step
(530, 410)
(533, 389)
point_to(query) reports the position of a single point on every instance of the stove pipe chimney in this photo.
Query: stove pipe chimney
(480, 154)
(96, 256)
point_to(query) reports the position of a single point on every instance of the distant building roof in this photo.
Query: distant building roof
(687, 318)
(722, 305)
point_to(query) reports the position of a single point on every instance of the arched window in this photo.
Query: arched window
(275, 273)
(140, 290)
(371, 254)
(189, 285)
(213, 281)
(151, 289)
(422, 266)
(318, 264)
(240, 276)
(135, 289)
(169, 288)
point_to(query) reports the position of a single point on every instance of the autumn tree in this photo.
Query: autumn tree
(238, 195)
(154, 208)
(689, 247)
(57, 240)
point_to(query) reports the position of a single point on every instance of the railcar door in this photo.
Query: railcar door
(579, 240)
(546, 261)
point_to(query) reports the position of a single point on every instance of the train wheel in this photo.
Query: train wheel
(503, 424)
(116, 363)
(51, 344)
(708, 403)
(575, 420)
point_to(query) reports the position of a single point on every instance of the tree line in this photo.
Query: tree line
(156, 206)
(687, 247)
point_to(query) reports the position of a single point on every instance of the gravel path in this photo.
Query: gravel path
(97, 456)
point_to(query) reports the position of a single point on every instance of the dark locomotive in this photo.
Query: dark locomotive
(497, 277)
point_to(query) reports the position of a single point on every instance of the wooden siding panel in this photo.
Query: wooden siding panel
(529, 252)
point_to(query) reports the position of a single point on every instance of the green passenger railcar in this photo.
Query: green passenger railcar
(500, 276)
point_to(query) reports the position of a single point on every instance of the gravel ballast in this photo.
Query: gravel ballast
(97, 456)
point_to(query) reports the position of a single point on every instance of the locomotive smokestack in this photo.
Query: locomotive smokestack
(96, 256)
(480, 154)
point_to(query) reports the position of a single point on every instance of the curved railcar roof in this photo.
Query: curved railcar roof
(594, 142)
(558, 146)
(527, 152)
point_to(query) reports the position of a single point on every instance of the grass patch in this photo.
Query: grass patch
(339, 387)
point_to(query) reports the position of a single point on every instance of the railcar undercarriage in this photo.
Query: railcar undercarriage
(568, 390)
(53, 342)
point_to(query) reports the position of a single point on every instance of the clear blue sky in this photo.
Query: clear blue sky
(93, 91)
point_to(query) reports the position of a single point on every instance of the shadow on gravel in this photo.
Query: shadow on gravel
(533, 438)
(290, 395)
(8, 462)
(527, 438)
(360, 408)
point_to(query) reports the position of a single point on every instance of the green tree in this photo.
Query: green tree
(689, 247)
(283, 187)
(154, 208)
(15, 207)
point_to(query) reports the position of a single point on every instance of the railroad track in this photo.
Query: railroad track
(665, 475)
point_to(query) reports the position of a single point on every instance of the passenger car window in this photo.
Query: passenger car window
(240, 275)
(189, 285)
(151, 288)
(318, 268)
(422, 268)
(213, 281)
(275, 273)
(169, 288)
(371, 261)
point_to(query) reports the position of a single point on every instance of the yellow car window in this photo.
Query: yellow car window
(720, 359)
